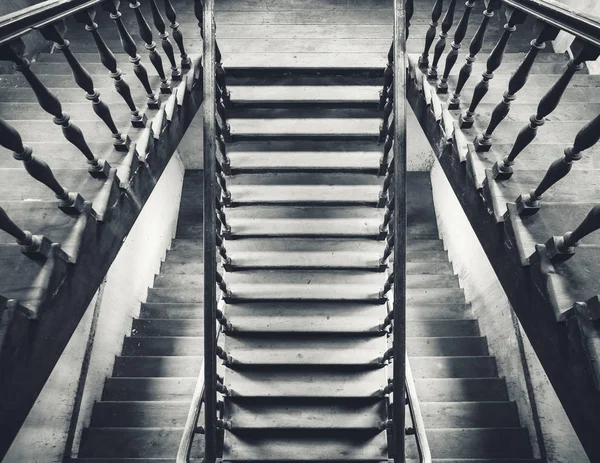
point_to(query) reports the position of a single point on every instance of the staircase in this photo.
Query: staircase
(145, 402)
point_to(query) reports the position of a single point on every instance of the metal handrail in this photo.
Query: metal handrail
(417, 418)
(21, 22)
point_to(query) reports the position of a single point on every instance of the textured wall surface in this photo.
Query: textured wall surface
(43, 436)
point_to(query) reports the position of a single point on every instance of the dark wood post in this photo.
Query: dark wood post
(587, 137)
(167, 46)
(129, 46)
(34, 246)
(517, 81)
(108, 60)
(493, 63)
(459, 35)
(561, 248)
(503, 170)
(50, 103)
(474, 49)
(186, 62)
(436, 12)
(441, 43)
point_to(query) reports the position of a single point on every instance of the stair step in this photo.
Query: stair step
(172, 310)
(439, 415)
(346, 128)
(468, 346)
(156, 414)
(461, 389)
(160, 366)
(285, 94)
(453, 367)
(316, 350)
(123, 442)
(164, 345)
(286, 382)
(178, 294)
(344, 447)
(154, 389)
(477, 443)
(325, 414)
(442, 328)
(170, 327)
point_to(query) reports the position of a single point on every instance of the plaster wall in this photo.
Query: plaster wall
(43, 437)
(517, 362)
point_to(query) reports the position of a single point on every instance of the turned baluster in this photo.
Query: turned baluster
(441, 43)
(587, 137)
(51, 104)
(129, 46)
(108, 60)
(223, 183)
(222, 319)
(436, 12)
(389, 246)
(385, 125)
(389, 282)
(387, 181)
(222, 112)
(71, 203)
(387, 320)
(502, 170)
(459, 35)
(492, 64)
(220, 352)
(221, 215)
(167, 46)
(222, 285)
(387, 148)
(409, 9)
(221, 81)
(34, 246)
(146, 35)
(474, 49)
(223, 149)
(388, 355)
(517, 81)
(389, 212)
(84, 80)
(561, 248)
(186, 62)
(199, 13)
(222, 250)
(388, 75)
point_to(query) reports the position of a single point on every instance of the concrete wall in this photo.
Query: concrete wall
(526, 380)
(48, 427)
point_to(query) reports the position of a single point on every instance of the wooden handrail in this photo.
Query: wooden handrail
(558, 15)
(19, 23)
(416, 417)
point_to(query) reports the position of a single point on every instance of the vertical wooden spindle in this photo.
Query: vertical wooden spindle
(387, 147)
(223, 183)
(561, 248)
(223, 149)
(167, 46)
(222, 250)
(436, 12)
(71, 203)
(459, 35)
(389, 211)
(409, 10)
(222, 112)
(385, 124)
(221, 215)
(389, 246)
(492, 64)
(108, 60)
(587, 137)
(199, 13)
(222, 286)
(388, 75)
(129, 46)
(222, 82)
(387, 285)
(34, 246)
(517, 81)
(84, 80)
(50, 103)
(146, 35)
(186, 62)
(387, 181)
(441, 43)
(474, 49)
(502, 170)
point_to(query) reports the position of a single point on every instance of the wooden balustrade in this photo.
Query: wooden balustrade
(129, 46)
(387, 251)
(409, 10)
(108, 60)
(167, 46)
(492, 64)
(224, 129)
(224, 94)
(50, 103)
(146, 35)
(223, 183)
(388, 75)
(224, 322)
(221, 353)
(387, 217)
(441, 43)
(84, 80)
(385, 125)
(221, 215)
(34, 246)
(226, 164)
(459, 36)
(503, 170)
(69, 202)
(389, 282)
(436, 13)
(587, 137)
(387, 148)
(186, 62)
(222, 250)
(474, 49)
(561, 248)
(483, 141)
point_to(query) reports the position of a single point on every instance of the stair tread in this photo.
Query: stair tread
(294, 194)
(146, 414)
(336, 127)
(145, 388)
(285, 93)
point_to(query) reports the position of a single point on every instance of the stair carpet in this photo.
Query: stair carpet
(145, 402)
